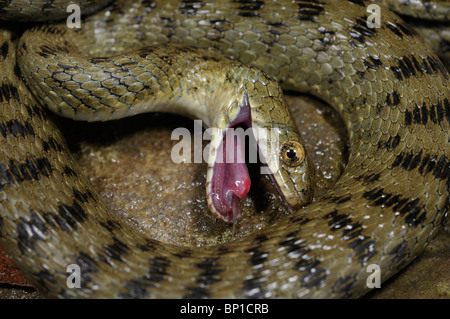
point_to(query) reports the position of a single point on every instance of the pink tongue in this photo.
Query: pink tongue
(230, 179)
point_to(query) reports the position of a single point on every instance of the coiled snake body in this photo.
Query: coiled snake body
(390, 89)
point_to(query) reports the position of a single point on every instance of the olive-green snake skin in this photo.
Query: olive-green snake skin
(388, 86)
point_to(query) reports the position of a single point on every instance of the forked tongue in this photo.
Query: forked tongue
(236, 212)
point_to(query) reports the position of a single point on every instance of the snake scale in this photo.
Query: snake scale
(388, 86)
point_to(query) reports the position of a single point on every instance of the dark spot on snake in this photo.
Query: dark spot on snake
(44, 277)
(442, 170)
(300, 220)
(137, 289)
(34, 110)
(406, 29)
(46, 51)
(401, 71)
(260, 239)
(275, 24)
(410, 66)
(403, 160)
(149, 4)
(83, 197)
(361, 30)
(86, 263)
(343, 199)
(4, 49)
(69, 171)
(397, 73)
(399, 251)
(444, 211)
(42, 165)
(183, 254)
(359, 246)
(433, 113)
(308, 10)
(314, 278)
(257, 257)
(391, 143)
(168, 24)
(415, 161)
(17, 70)
(211, 271)
(344, 284)
(446, 111)
(275, 32)
(370, 178)
(393, 99)
(415, 214)
(97, 60)
(355, 45)
(248, 8)
(426, 162)
(69, 215)
(28, 171)
(116, 250)
(336, 220)
(87, 266)
(398, 29)
(13, 171)
(129, 63)
(51, 144)
(223, 250)
(416, 63)
(210, 58)
(110, 225)
(436, 66)
(158, 269)
(358, 2)
(9, 91)
(351, 231)
(150, 245)
(373, 64)
(190, 7)
(29, 231)
(252, 287)
(197, 293)
(295, 247)
(68, 66)
(220, 25)
(338, 199)
(408, 118)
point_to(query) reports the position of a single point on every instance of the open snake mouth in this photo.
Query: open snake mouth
(230, 181)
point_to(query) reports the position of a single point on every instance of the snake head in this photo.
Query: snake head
(291, 171)
(281, 151)
(283, 154)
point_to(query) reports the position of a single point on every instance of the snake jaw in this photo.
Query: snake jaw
(230, 181)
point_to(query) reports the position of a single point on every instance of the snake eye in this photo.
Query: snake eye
(292, 153)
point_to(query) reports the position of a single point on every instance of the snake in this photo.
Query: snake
(225, 62)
